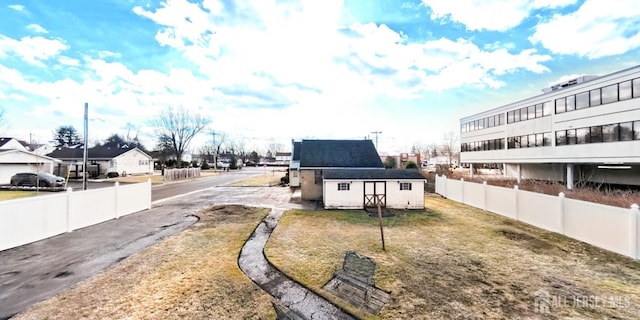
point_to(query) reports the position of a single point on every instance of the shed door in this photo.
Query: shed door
(375, 192)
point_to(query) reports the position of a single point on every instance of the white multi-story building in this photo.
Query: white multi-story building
(585, 129)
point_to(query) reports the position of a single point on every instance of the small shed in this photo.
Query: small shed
(363, 188)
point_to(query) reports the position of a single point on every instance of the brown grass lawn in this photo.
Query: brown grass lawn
(192, 275)
(14, 194)
(453, 261)
(271, 178)
(450, 261)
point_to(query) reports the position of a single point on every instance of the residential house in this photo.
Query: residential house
(13, 144)
(283, 158)
(317, 156)
(366, 188)
(13, 161)
(103, 160)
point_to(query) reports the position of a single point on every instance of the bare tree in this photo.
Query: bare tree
(450, 146)
(274, 147)
(178, 127)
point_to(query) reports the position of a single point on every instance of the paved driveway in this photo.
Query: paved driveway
(37, 271)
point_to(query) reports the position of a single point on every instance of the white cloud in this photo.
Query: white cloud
(36, 28)
(492, 15)
(615, 32)
(17, 7)
(33, 50)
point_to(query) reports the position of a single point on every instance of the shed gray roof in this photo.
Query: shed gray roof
(372, 174)
(339, 154)
(296, 151)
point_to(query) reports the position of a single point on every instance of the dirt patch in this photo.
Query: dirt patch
(192, 275)
(526, 240)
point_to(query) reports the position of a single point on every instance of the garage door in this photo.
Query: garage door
(8, 170)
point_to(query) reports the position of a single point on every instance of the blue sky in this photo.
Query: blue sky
(270, 71)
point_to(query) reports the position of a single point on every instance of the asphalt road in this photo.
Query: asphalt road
(169, 190)
(37, 271)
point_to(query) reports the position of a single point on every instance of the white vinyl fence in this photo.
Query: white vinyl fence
(607, 227)
(27, 220)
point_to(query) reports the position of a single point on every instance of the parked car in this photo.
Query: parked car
(31, 179)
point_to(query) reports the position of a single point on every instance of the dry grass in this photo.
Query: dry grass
(458, 262)
(8, 195)
(271, 178)
(605, 195)
(155, 179)
(193, 275)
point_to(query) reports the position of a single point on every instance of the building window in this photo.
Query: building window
(636, 88)
(596, 134)
(405, 185)
(626, 131)
(624, 90)
(343, 186)
(571, 136)
(561, 138)
(582, 100)
(546, 139)
(561, 105)
(610, 93)
(571, 103)
(610, 132)
(595, 97)
(318, 176)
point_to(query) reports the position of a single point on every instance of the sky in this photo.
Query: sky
(269, 71)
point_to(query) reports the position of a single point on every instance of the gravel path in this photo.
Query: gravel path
(292, 295)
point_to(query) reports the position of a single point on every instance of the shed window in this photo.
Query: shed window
(318, 176)
(343, 186)
(405, 185)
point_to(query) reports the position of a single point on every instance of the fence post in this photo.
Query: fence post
(117, 190)
(484, 193)
(150, 193)
(462, 190)
(515, 201)
(444, 184)
(69, 190)
(633, 231)
(561, 212)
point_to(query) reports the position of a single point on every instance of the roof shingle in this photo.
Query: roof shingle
(339, 154)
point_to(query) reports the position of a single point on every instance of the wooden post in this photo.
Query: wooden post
(380, 220)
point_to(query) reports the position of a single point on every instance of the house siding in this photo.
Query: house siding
(309, 190)
(133, 162)
(354, 197)
(13, 162)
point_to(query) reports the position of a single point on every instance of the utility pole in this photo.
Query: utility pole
(86, 140)
(215, 151)
(376, 133)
